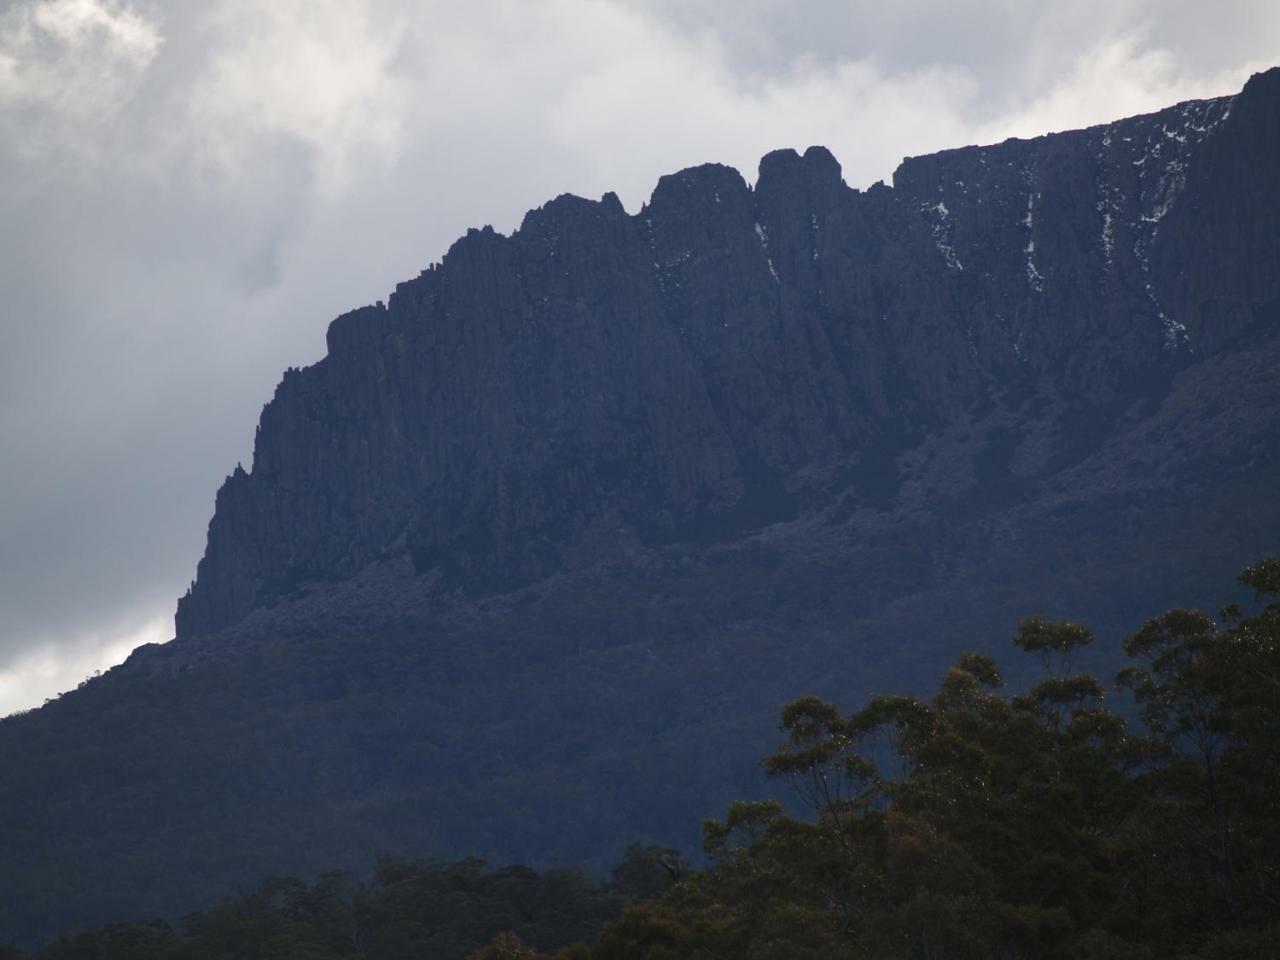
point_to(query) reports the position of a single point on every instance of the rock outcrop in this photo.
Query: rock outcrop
(727, 356)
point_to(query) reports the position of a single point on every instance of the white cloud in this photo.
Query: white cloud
(1119, 77)
(315, 73)
(646, 102)
(46, 672)
(68, 65)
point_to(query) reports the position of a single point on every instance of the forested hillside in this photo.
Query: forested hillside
(972, 824)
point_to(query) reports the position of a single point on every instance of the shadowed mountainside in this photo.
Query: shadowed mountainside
(524, 566)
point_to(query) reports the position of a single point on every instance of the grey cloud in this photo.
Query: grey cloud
(1015, 50)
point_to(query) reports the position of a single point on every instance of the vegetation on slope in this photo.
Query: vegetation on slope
(973, 824)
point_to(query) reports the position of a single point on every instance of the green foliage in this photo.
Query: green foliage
(504, 946)
(1054, 642)
(646, 872)
(1264, 577)
(408, 908)
(974, 825)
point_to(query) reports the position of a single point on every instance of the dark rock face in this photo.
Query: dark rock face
(525, 566)
(716, 362)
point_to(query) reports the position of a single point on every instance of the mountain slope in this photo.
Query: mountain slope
(682, 373)
(525, 565)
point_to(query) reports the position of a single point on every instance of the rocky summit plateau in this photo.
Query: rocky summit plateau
(525, 566)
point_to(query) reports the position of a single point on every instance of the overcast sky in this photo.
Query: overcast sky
(189, 192)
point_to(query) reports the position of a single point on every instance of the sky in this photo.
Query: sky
(190, 192)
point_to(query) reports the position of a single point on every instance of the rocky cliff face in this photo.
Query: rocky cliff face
(731, 357)
(525, 566)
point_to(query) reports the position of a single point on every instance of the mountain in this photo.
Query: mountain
(525, 565)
